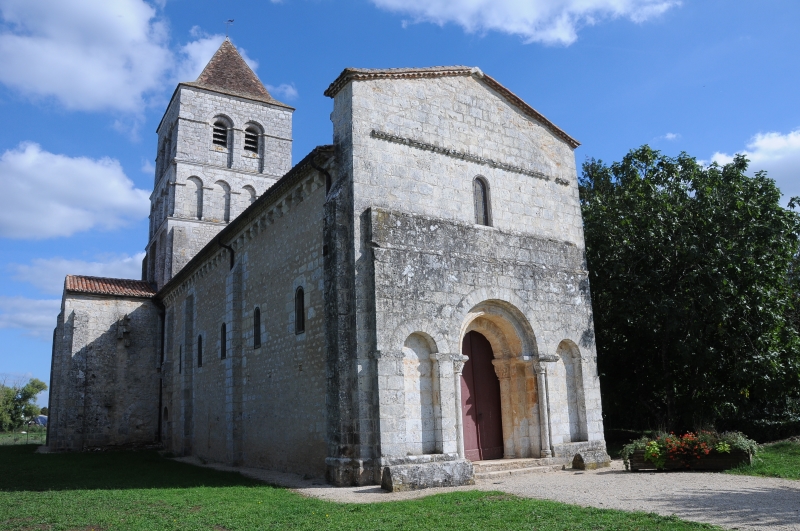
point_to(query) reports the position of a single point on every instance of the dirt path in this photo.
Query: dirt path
(734, 502)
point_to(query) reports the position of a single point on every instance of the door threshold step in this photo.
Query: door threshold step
(497, 465)
(495, 474)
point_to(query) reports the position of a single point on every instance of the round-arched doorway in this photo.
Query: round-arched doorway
(482, 420)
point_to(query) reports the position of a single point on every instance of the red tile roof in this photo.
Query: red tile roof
(362, 74)
(108, 286)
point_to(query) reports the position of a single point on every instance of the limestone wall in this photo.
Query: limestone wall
(259, 406)
(204, 183)
(439, 279)
(200, 108)
(416, 146)
(104, 374)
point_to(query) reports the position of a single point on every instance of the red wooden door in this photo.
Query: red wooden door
(480, 401)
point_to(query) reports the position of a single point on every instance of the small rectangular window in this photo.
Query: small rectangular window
(257, 328)
(299, 311)
(223, 351)
(199, 351)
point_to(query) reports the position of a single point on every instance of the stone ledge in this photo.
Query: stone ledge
(398, 478)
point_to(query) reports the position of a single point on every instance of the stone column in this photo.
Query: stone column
(445, 406)
(503, 369)
(544, 417)
(458, 366)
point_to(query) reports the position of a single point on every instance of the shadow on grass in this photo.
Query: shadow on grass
(21, 469)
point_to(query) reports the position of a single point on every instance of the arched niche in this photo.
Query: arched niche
(568, 418)
(420, 396)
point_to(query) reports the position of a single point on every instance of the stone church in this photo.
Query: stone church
(408, 306)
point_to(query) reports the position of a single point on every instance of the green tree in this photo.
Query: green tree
(18, 403)
(690, 268)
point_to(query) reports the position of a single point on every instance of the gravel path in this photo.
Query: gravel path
(734, 502)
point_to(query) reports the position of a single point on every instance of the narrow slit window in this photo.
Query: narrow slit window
(220, 135)
(180, 359)
(481, 196)
(251, 139)
(223, 347)
(299, 311)
(199, 351)
(257, 328)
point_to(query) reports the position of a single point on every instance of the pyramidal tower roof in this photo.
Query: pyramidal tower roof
(227, 72)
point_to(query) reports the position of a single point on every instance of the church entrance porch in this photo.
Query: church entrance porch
(480, 401)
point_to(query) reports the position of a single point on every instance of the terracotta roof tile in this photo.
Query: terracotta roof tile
(108, 286)
(228, 73)
(361, 74)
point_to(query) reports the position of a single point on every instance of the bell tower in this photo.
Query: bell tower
(222, 142)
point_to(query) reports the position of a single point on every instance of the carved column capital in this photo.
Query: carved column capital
(458, 364)
(503, 368)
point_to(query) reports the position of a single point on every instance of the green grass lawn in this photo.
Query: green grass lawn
(141, 490)
(777, 460)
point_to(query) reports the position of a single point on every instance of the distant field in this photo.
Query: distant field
(143, 491)
(35, 436)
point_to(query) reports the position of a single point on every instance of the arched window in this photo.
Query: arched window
(199, 351)
(257, 327)
(220, 133)
(480, 192)
(223, 347)
(299, 311)
(251, 135)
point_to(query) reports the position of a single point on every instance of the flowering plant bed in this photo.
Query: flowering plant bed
(706, 450)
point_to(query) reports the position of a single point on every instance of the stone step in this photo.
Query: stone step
(496, 474)
(499, 465)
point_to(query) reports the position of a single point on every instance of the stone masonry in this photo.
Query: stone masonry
(311, 319)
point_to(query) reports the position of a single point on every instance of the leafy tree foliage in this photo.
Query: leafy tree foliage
(17, 403)
(694, 274)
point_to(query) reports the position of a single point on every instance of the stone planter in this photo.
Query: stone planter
(712, 461)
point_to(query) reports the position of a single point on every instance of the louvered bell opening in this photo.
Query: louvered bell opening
(220, 137)
(251, 140)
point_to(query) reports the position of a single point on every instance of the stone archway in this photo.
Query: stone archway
(516, 365)
(482, 420)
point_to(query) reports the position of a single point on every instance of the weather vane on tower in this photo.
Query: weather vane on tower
(227, 25)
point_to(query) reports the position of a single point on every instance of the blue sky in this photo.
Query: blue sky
(83, 85)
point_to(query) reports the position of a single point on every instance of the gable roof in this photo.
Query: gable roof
(227, 73)
(108, 286)
(362, 74)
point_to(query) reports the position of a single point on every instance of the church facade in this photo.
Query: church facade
(401, 304)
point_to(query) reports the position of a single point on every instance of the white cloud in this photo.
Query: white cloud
(194, 56)
(88, 55)
(284, 91)
(48, 274)
(148, 168)
(36, 316)
(671, 136)
(47, 195)
(778, 154)
(546, 21)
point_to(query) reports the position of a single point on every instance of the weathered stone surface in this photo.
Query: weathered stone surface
(382, 233)
(397, 478)
(591, 460)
